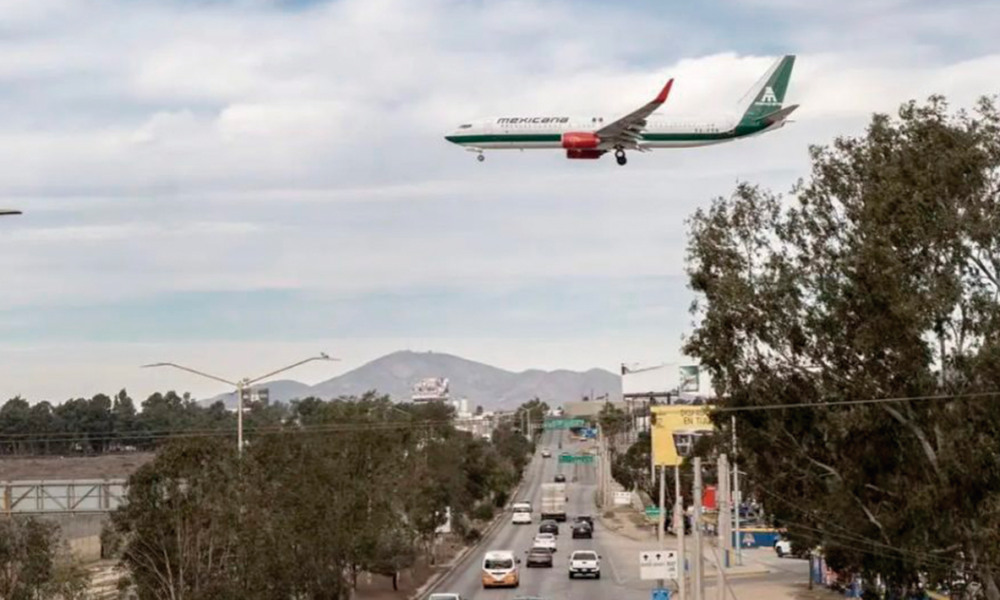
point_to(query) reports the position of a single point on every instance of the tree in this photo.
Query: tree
(180, 523)
(27, 558)
(880, 281)
(613, 422)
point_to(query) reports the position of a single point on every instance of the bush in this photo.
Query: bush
(482, 512)
(472, 536)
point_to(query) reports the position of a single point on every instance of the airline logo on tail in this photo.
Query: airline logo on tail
(769, 97)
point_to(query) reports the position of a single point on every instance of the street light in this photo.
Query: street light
(240, 385)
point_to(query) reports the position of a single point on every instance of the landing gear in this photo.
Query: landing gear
(480, 157)
(620, 157)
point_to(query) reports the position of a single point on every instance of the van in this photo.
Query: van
(500, 569)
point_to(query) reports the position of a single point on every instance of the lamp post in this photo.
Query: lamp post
(240, 385)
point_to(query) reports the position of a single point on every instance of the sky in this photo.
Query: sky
(235, 185)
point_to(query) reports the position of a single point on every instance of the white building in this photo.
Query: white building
(431, 389)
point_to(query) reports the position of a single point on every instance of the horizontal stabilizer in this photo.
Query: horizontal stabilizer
(779, 115)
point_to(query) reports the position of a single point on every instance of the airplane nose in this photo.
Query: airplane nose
(452, 138)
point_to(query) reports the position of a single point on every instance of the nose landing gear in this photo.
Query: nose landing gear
(620, 156)
(480, 157)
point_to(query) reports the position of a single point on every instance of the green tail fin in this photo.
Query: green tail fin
(768, 94)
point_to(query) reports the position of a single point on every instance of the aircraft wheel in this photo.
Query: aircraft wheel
(480, 158)
(621, 158)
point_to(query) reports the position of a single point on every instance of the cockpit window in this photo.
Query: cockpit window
(465, 126)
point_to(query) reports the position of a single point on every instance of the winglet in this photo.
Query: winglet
(662, 96)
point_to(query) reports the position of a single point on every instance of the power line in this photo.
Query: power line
(789, 405)
(332, 428)
(848, 535)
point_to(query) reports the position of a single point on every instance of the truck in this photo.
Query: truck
(554, 501)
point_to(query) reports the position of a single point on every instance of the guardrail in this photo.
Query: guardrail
(65, 496)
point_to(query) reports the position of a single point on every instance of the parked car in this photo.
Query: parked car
(545, 540)
(582, 530)
(783, 548)
(559, 478)
(539, 557)
(583, 563)
(549, 526)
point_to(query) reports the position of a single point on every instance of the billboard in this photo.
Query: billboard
(675, 431)
(689, 379)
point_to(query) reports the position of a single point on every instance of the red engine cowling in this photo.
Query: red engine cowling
(584, 154)
(580, 140)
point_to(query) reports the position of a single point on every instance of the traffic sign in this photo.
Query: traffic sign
(622, 498)
(564, 423)
(661, 594)
(658, 564)
(653, 512)
(586, 459)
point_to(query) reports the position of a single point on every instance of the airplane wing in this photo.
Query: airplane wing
(626, 131)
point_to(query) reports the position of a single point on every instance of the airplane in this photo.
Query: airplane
(592, 137)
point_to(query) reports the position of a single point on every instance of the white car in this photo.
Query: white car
(782, 548)
(445, 596)
(519, 517)
(584, 563)
(545, 540)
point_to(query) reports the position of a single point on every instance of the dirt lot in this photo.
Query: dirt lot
(115, 466)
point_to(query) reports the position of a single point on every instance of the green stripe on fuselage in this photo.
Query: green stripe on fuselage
(679, 137)
(513, 138)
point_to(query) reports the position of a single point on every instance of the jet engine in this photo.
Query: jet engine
(580, 140)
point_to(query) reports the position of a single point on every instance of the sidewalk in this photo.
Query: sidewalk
(625, 521)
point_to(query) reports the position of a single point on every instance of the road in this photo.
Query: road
(619, 555)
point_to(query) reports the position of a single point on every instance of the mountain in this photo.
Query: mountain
(482, 384)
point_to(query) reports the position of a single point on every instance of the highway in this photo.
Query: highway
(619, 555)
(547, 583)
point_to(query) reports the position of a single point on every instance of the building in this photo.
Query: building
(431, 389)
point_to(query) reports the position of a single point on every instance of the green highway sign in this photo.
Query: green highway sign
(653, 512)
(564, 423)
(585, 459)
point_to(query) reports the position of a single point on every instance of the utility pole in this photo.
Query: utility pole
(699, 562)
(660, 584)
(737, 498)
(722, 556)
(681, 532)
(725, 510)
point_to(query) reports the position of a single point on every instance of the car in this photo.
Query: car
(445, 596)
(783, 548)
(539, 556)
(559, 478)
(589, 520)
(521, 506)
(500, 569)
(585, 563)
(582, 530)
(545, 540)
(546, 453)
(549, 526)
(519, 517)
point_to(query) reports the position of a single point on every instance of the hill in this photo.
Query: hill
(491, 387)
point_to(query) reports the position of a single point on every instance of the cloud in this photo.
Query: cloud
(174, 149)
